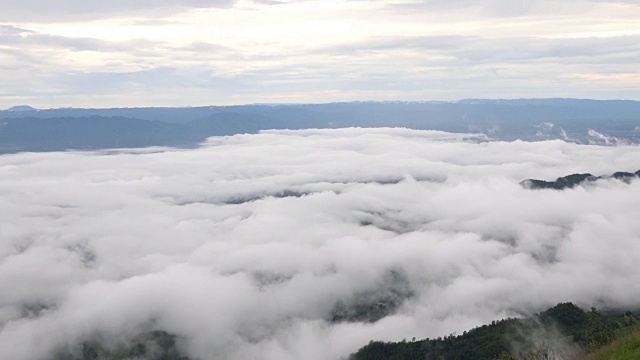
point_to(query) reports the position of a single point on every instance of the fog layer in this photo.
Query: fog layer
(249, 246)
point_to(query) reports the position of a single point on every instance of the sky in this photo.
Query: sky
(244, 247)
(89, 53)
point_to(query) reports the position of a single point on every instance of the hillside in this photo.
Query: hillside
(562, 332)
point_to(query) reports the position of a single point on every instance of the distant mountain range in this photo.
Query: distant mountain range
(23, 128)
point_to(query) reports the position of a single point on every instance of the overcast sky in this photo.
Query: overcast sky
(196, 52)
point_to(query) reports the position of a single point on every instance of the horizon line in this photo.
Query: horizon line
(317, 103)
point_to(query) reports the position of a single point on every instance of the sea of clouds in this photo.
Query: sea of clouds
(244, 247)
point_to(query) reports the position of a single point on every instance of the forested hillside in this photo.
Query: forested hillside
(562, 332)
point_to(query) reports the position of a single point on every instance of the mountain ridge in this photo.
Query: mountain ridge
(573, 180)
(580, 121)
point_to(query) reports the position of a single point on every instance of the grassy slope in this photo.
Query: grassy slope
(624, 348)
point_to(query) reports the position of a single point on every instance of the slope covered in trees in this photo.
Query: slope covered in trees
(564, 331)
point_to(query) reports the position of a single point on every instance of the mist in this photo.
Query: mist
(261, 246)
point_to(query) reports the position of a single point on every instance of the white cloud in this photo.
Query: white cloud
(314, 51)
(74, 10)
(244, 246)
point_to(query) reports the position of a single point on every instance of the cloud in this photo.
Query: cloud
(247, 245)
(483, 49)
(505, 9)
(26, 39)
(70, 10)
(314, 52)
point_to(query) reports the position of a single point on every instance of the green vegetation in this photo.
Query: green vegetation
(562, 332)
(155, 345)
(373, 305)
(625, 348)
(485, 342)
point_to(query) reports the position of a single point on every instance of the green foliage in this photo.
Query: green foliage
(485, 342)
(155, 345)
(557, 333)
(627, 347)
(371, 306)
